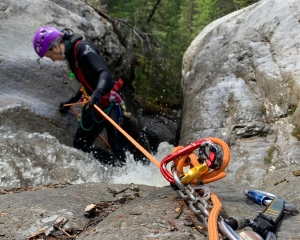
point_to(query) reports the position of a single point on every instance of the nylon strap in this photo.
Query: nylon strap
(78, 71)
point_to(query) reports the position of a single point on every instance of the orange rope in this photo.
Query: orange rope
(73, 104)
(137, 145)
(191, 160)
(213, 218)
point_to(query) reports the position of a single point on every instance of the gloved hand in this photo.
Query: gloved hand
(73, 99)
(62, 108)
(96, 97)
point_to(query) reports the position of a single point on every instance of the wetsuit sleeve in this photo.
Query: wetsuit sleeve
(76, 97)
(100, 89)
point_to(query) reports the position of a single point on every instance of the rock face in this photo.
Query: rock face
(148, 212)
(24, 214)
(241, 84)
(157, 132)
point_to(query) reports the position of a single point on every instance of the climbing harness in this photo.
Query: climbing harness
(114, 99)
(78, 117)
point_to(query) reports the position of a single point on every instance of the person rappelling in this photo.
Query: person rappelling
(90, 69)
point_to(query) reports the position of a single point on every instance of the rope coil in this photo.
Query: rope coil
(184, 157)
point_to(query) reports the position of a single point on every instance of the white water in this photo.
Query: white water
(148, 175)
(28, 159)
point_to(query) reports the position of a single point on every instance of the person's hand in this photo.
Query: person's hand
(96, 98)
(62, 108)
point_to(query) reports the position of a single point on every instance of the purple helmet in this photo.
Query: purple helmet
(44, 39)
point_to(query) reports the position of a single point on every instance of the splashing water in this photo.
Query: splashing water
(141, 174)
(30, 159)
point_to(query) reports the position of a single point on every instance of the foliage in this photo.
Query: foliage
(174, 24)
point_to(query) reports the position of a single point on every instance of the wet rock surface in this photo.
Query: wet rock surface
(25, 213)
(127, 211)
(240, 84)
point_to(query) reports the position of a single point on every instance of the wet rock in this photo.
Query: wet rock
(238, 82)
(25, 213)
(159, 213)
(156, 131)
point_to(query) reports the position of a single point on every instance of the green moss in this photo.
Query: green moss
(269, 157)
(296, 133)
(293, 109)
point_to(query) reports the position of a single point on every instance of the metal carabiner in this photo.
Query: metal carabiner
(264, 198)
(175, 155)
(177, 181)
(194, 173)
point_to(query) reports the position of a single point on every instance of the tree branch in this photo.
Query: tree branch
(153, 11)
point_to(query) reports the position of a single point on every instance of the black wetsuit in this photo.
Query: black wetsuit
(99, 81)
